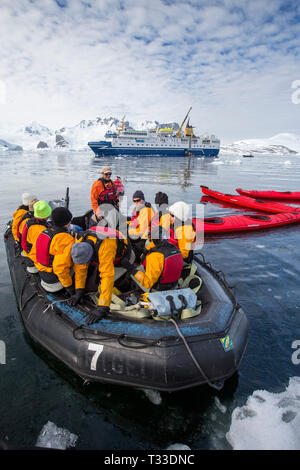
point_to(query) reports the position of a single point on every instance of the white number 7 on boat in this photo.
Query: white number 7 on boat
(98, 348)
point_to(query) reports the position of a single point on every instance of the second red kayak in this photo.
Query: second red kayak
(280, 195)
(249, 202)
(242, 223)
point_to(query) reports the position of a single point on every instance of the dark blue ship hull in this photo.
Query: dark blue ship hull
(103, 149)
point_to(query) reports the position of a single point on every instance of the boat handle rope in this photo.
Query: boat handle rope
(143, 344)
(217, 385)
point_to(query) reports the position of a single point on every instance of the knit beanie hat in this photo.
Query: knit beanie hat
(42, 210)
(161, 198)
(81, 253)
(61, 216)
(26, 198)
(138, 195)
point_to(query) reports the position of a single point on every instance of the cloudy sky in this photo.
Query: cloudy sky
(233, 61)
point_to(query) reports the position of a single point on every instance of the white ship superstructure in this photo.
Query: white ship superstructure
(154, 142)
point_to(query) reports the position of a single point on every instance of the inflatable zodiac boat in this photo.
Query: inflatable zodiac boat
(196, 338)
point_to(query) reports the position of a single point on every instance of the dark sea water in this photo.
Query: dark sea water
(264, 266)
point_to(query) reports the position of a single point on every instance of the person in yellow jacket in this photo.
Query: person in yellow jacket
(19, 215)
(31, 230)
(103, 253)
(162, 264)
(138, 226)
(53, 256)
(182, 231)
(162, 217)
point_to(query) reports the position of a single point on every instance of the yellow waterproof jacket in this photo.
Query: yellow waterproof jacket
(154, 269)
(161, 219)
(139, 226)
(106, 257)
(32, 235)
(17, 216)
(60, 249)
(185, 235)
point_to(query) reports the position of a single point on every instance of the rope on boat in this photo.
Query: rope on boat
(51, 304)
(216, 385)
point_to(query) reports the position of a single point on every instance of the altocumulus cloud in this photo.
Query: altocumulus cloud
(232, 60)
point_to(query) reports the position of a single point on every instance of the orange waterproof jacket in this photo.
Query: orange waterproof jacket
(106, 257)
(60, 249)
(163, 265)
(154, 269)
(184, 237)
(98, 188)
(31, 237)
(139, 226)
(17, 216)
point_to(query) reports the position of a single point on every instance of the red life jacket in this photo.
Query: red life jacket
(28, 215)
(173, 264)
(43, 245)
(32, 221)
(109, 193)
(107, 232)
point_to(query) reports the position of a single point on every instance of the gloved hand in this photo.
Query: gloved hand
(70, 290)
(97, 314)
(75, 299)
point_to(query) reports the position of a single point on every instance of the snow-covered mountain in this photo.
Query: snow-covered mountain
(34, 135)
(284, 143)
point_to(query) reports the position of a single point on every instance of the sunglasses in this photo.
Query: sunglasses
(107, 174)
(136, 200)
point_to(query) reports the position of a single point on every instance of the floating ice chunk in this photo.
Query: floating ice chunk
(219, 405)
(178, 446)
(154, 396)
(268, 421)
(54, 437)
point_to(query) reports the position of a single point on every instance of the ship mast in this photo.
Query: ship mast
(178, 133)
(122, 125)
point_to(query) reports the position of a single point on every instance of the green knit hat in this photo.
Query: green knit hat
(42, 210)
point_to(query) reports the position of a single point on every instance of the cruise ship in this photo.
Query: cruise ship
(157, 142)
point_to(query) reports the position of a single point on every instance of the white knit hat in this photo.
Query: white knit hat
(26, 198)
(181, 210)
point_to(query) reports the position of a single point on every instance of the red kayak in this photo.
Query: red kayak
(239, 223)
(280, 195)
(250, 202)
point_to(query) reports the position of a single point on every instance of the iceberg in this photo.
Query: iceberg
(4, 145)
(268, 421)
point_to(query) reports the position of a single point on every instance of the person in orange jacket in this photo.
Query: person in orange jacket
(25, 210)
(104, 196)
(103, 253)
(162, 263)
(31, 230)
(138, 226)
(53, 256)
